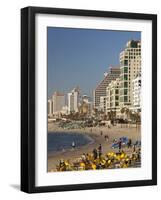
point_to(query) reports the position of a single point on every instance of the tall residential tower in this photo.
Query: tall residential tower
(58, 102)
(130, 66)
(73, 100)
(100, 90)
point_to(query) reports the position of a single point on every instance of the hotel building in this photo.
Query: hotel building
(100, 90)
(73, 100)
(130, 66)
(50, 107)
(58, 100)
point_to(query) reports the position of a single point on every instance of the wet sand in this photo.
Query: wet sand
(113, 132)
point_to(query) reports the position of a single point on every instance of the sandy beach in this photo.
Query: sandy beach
(113, 132)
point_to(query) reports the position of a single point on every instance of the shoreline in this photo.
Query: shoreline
(89, 137)
(72, 154)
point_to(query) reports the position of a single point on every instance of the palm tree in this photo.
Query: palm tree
(128, 114)
(122, 112)
(135, 116)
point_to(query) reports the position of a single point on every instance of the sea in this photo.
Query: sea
(63, 141)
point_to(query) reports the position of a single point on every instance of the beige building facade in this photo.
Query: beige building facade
(112, 96)
(100, 91)
(130, 66)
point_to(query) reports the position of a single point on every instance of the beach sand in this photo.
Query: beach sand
(113, 132)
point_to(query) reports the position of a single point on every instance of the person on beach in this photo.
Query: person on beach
(120, 144)
(62, 165)
(139, 154)
(107, 138)
(83, 157)
(101, 133)
(95, 154)
(134, 147)
(100, 150)
(73, 145)
(129, 143)
(115, 140)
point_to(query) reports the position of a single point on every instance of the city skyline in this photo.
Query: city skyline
(75, 55)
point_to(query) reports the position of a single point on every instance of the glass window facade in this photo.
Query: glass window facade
(125, 69)
(125, 84)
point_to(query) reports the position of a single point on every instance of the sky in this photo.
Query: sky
(80, 57)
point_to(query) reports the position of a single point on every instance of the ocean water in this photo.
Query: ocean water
(63, 141)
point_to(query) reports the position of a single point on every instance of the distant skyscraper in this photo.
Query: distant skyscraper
(50, 107)
(73, 100)
(100, 90)
(130, 66)
(58, 102)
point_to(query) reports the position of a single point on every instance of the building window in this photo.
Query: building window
(121, 92)
(116, 97)
(125, 69)
(125, 98)
(125, 84)
(122, 84)
(125, 91)
(125, 62)
(116, 91)
(125, 77)
(122, 78)
(117, 104)
(121, 99)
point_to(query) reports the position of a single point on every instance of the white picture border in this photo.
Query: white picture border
(113, 175)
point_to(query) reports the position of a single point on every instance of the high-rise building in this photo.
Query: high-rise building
(130, 66)
(50, 107)
(112, 96)
(137, 93)
(58, 102)
(100, 90)
(73, 100)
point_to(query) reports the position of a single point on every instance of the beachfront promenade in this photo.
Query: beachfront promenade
(98, 135)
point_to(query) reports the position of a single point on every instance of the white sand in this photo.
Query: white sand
(113, 132)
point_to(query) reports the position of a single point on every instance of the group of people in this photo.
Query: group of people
(98, 160)
(97, 152)
(124, 142)
(105, 136)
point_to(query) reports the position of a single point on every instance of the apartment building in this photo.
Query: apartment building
(73, 100)
(130, 66)
(58, 102)
(100, 91)
(50, 107)
(112, 96)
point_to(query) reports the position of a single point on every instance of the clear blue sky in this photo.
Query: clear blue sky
(79, 57)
